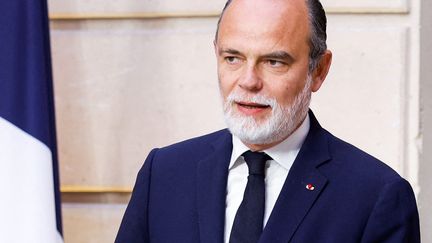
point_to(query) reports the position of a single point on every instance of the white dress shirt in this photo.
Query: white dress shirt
(276, 171)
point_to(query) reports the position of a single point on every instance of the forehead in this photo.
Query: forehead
(271, 23)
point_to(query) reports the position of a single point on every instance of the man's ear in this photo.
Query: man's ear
(321, 71)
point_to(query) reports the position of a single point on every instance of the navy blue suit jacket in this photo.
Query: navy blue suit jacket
(179, 196)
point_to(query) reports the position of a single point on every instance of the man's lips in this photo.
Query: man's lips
(251, 105)
(250, 108)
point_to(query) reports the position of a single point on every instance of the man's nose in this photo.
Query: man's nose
(250, 79)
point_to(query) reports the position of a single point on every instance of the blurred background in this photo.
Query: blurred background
(132, 75)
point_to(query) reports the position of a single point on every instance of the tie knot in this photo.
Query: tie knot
(256, 162)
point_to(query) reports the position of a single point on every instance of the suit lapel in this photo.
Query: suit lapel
(295, 199)
(211, 190)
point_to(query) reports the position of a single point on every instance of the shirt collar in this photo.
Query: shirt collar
(283, 153)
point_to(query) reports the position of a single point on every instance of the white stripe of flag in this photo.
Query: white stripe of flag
(27, 206)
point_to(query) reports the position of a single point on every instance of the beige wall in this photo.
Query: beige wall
(425, 168)
(133, 75)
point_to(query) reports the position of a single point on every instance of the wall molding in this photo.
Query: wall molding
(94, 189)
(401, 10)
(167, 15)
(126, 16)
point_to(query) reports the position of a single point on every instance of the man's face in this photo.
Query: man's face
(263, 55)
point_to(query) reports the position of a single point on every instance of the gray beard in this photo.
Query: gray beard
(282, 122)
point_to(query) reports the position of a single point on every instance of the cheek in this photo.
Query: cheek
(285, 91)
(227, 82)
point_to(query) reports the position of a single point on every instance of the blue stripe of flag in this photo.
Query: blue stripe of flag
(26, 88)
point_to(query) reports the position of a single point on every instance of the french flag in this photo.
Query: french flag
(29, 184)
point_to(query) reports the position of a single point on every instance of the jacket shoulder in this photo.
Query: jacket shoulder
(191, 150)
(357, 162)
(196, 142)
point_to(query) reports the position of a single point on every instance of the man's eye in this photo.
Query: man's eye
(232, 60)
(275, 63)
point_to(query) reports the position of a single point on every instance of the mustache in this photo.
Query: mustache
(258, 99)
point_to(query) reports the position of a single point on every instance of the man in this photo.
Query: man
(276, 175)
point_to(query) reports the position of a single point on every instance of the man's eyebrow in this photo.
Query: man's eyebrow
(229, 51)
(279, 55)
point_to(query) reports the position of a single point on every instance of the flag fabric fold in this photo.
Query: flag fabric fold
(29, 183)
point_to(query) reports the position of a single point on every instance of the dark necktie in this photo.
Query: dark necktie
(248, 222)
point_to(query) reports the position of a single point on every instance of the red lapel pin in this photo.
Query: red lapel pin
(310, 187)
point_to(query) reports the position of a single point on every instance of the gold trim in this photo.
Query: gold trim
(367, 10)
(163, 15)
(94, 189)
(120, 16)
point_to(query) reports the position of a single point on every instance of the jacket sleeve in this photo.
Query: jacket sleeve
(134, 226)
(394, 218)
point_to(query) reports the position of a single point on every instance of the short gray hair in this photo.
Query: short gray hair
(318, 35)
